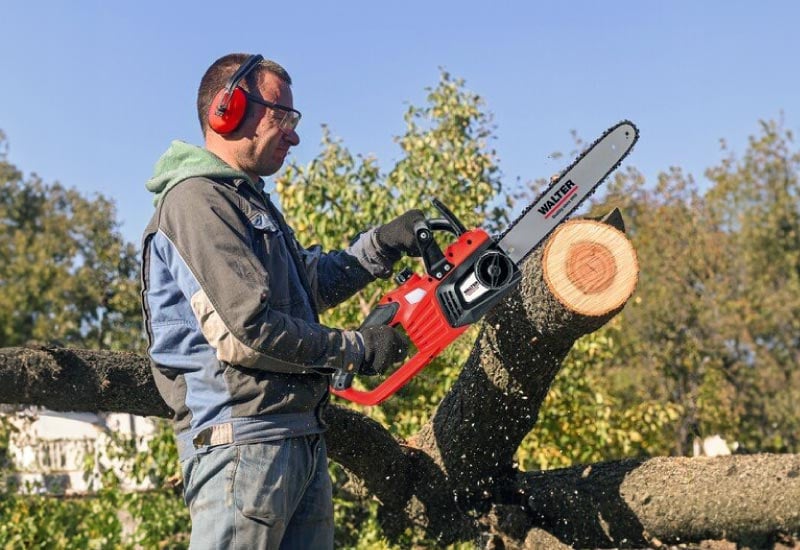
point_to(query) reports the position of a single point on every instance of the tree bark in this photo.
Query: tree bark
(457, 478)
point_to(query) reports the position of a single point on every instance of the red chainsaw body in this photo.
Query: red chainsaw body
(421, 315)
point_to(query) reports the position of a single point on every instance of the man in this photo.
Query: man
(231, 301)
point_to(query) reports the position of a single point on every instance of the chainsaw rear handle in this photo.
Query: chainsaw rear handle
(383, 314)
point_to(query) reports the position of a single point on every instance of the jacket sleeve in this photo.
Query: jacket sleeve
(337, 275)
(229, 289)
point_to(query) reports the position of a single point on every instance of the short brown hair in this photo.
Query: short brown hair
(217, 75)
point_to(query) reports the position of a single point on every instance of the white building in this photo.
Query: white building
(51, 451)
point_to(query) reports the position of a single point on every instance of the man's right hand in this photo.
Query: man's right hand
(384, 347)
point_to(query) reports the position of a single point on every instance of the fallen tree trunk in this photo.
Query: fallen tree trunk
(643, 503)
(456, 478)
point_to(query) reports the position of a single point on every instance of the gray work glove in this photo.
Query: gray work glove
(384, 347)
(397, 237)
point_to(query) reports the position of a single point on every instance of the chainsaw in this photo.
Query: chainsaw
(476, 271)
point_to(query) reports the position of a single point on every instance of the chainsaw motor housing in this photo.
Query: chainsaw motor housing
(477, 284)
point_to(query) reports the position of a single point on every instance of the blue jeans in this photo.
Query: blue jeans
(274, 494)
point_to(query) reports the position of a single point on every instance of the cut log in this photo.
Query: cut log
(590, 267)
(63, 379)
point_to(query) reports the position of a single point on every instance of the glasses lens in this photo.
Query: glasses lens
(290, 120)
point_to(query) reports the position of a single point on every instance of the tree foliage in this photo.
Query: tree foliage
(111, 517)
(67, 274)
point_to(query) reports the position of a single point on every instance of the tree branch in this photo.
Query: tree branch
(368, 450)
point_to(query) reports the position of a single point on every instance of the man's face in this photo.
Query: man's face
(266, 143)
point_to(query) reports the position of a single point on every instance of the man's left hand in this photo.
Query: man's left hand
(397, 237)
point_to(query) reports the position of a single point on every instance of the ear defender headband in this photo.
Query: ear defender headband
(230, 104)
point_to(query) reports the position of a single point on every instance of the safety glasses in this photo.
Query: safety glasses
(290, 117)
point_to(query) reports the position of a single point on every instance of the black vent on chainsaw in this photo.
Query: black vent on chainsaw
(451, 304)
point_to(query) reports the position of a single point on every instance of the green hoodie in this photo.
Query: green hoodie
(183, 161)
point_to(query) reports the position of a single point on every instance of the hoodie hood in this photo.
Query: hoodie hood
(183, 161)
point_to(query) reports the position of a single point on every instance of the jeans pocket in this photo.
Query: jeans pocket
(259, 482)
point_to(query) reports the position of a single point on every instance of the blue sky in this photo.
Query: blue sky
(93, 91)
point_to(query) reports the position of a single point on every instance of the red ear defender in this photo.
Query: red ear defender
(230, 104)
(227, 111)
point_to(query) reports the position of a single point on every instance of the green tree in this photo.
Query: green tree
(67, 274)
(755, 200)
(713, 327)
